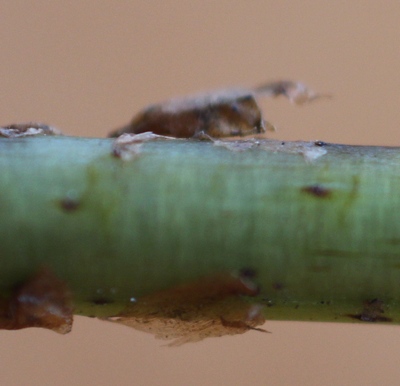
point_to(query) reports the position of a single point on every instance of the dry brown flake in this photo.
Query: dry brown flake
(210, 307)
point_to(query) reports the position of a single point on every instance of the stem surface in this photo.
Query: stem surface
(322, 235)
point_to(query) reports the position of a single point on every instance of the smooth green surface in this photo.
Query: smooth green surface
(117, 229)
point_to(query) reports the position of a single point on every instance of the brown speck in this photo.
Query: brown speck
(101, 301)
(69, 204)
(278, 286)
(246, 277)
(248, 272)
(317, 191)
(372, 312)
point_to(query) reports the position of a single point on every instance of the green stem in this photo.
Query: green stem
(323, 235)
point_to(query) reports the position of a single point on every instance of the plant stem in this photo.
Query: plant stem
(323, 235)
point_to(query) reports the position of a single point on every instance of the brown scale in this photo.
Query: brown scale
(41, 301)
(209, 307)
(217, 114)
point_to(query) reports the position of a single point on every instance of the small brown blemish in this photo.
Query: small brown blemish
(69, 204)
(278, 286)
(246, 277)
(210, 307)
(372, 312)
(317, 191)
(42, 301)
(101, 301)
(247, 272)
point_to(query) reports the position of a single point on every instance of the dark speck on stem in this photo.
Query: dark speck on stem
(317, 191)
(69, 204)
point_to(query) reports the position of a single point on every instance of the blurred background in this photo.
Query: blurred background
(87, 66)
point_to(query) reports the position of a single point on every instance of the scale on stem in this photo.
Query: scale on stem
(222, 113)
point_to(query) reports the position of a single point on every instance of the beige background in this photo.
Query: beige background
(87, 66)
